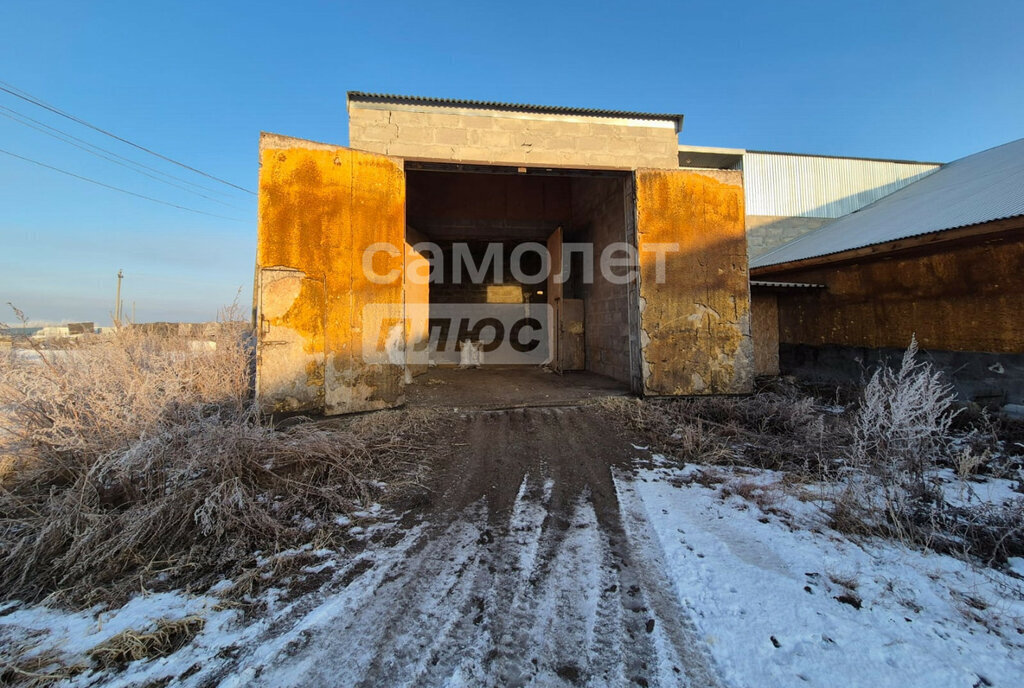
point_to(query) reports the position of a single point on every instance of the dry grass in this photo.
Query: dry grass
(140, 460)
(779, 428)
(129, 646)
(27, 667)
(876, 461)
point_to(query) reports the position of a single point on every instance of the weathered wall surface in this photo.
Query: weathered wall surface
(498, 137)
(989, 379)
(695, 324)
(599, 213)
(955, 297)
(764, 329)
(482, 207)
(765, 232)
(320, 206)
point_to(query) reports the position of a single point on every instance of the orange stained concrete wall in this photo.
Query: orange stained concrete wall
(320, 207)
(695, 326)
(966, 296)
(764, 328)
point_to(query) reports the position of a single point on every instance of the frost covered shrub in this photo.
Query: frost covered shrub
(900, 430)
(903, 423)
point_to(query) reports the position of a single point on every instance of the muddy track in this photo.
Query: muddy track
(524, 572)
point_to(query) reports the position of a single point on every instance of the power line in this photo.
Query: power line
(18, 93)
(116, 188)
(109, 158)
(110, 152)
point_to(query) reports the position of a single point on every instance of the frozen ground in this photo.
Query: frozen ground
(555, 565)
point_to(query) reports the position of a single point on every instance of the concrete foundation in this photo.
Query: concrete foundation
(992, 380)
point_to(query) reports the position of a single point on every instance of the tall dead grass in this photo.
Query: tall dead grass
(140, 458)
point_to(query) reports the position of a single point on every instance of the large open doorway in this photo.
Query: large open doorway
(507, 246)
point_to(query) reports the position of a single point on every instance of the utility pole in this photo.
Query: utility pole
(117, 304)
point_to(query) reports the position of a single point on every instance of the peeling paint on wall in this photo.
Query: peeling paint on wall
(290, 366)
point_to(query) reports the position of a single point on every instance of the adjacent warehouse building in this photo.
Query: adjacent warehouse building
(941, 259)
(788, 195)
(658, 303)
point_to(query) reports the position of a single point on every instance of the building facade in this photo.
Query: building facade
(643, 265)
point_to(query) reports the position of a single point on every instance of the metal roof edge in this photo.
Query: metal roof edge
(836, 255)
(846, 157)
(771, 284)
(364, 97)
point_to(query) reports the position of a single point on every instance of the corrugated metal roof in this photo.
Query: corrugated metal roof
(979, 188)
(790, 185)
(516, 107)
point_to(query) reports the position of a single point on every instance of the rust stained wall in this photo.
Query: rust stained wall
(320, 206)
(290, 369)
(695, 325)
(764, 329)
(967, 297)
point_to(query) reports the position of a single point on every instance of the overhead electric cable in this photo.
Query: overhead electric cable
(116, 162)
(117, 188)
(110, 152)
(18, 93)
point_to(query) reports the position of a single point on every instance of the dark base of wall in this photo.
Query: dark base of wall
(989, 379)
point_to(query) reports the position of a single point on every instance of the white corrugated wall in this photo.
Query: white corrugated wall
(810, 186)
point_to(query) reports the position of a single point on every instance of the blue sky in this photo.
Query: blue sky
(198, 81)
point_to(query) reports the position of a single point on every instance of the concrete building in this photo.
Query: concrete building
(664, 311)
(788, 195)
(941, 259)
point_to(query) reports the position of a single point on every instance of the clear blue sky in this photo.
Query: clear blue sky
(197, 81)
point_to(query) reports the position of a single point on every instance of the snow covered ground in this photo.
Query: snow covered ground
(781, 600)
(703, 577)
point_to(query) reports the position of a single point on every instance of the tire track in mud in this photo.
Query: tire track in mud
(526, 574)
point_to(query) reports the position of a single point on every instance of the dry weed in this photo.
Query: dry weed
(129, 646)
(139, 458)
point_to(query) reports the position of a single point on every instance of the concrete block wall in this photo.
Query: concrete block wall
(766, 232)
(511, 138)
(599, 212)
(468, 291)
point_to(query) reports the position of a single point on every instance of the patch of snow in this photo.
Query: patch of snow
(764, 596)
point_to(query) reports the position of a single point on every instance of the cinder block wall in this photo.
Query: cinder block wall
(766, 232)
(599, 213)
(511, 138)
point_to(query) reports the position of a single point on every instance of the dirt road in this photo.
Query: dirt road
(523, 571)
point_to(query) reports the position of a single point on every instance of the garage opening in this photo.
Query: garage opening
(519, 287)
